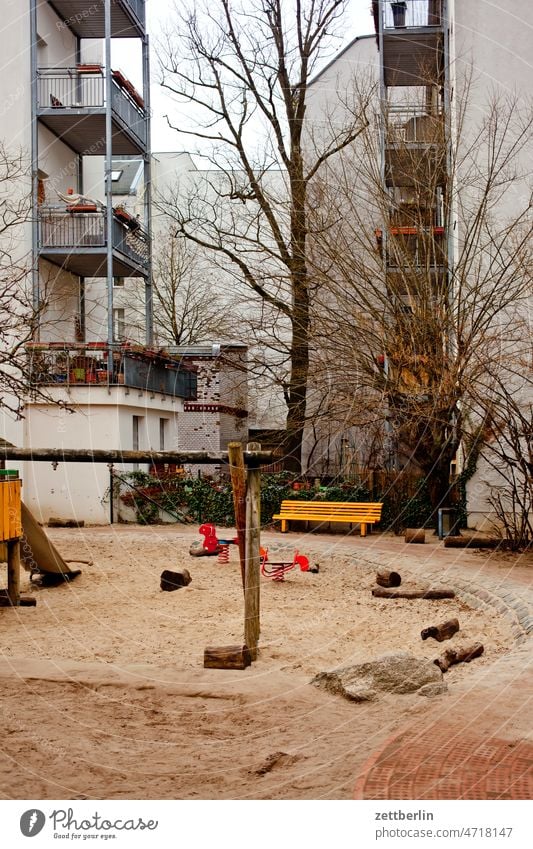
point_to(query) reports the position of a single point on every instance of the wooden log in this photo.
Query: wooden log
(415, 535)
(238, 486)
(473, 542)
(197, 550)
(461, 655)
(227, 657)
(114, 455)
(441, 632)
(24, 601)
(387, 578)
(384, 592)
(54, 522)
(253, 544)
(174, 580)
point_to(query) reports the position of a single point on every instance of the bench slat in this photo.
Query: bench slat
(363, 513)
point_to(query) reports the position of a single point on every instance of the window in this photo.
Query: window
(118, 281)
(163, 429)
(119, 325)
(136, 426)
(136, 430)
(116, 175)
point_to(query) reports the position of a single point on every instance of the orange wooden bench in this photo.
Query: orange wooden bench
(363, 513)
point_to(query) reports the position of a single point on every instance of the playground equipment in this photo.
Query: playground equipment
(40, 556)
(10, 533)
(277, 571)
(246, 466)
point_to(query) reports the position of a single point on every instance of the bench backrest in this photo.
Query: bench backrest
(338, 508)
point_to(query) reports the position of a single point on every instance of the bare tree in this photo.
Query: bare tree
(244, 71)
(187, 306)
(427, 277)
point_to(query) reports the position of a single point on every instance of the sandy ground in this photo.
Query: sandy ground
(103, 694)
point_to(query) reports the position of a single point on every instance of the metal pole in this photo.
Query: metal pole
(111, 482)
(109, 187)
(34, 161)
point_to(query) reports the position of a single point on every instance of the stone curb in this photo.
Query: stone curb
(491, 596)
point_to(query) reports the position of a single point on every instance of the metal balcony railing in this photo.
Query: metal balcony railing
(76, 88)
(86, 230)
(404, 14)
(138, 9)
(86, 364)
(414, 246)
(407, 126)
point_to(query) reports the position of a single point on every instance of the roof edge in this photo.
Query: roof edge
(338, 56)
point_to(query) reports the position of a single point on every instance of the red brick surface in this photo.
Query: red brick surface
(443, 764)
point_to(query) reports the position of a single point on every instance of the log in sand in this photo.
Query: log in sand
(383, 592)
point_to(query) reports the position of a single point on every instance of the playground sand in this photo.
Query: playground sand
(120, 664)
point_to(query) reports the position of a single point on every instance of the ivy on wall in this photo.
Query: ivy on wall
(210, 500)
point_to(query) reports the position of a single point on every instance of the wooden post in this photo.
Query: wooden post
(226, 657)
(13, 571)
(238, 485)
(252, 545)
(415, 535)
(387, 578)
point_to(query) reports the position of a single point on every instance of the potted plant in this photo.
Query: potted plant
(399, 9)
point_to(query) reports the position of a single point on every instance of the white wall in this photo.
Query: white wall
(100, 420)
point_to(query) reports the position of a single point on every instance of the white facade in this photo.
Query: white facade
(59, 116)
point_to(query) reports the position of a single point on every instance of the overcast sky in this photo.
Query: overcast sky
(126, 55)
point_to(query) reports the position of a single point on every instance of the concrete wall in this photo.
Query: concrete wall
(493, 49)
(99, 420)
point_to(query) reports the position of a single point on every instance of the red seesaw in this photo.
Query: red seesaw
(276, 571)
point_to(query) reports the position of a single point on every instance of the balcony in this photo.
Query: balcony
(415, 151)
(71, 102)
(417, 287)
(77, 241)
(412, 41)
(414, 248)
(87, 20)
(412, 14)
(66, 365)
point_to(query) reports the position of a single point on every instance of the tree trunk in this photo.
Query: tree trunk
(297, 396)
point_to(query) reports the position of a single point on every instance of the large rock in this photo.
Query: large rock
(397, 672)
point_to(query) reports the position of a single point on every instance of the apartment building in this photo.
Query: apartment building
(438, 68)
(74, 107)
